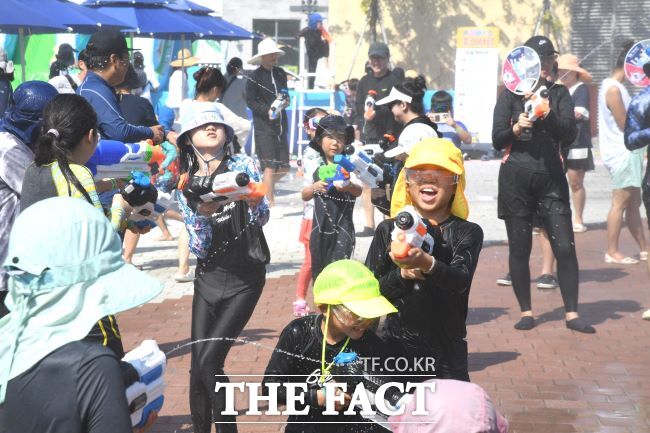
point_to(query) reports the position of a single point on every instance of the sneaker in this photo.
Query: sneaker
(184, 278)
(646, 315)
(366, 232)
(547, 281)
(505, 281)
(300, 308)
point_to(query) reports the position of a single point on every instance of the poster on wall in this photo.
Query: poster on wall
(477, 74)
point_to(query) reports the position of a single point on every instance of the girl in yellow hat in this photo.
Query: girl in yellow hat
(430, 286)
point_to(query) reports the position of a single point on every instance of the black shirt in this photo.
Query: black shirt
(541, 154)
(137, 110)
(261, 91)
(384, 122)
(78, 388)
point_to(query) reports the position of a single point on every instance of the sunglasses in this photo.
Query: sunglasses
(431, 177)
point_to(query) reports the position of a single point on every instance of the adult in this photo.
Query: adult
(178, 87)
(578, 158)
(233, 94)
(374, 121)
(442, 113)
(625, 167)
(19, 129)
(67, 273)
(265, 86)
(70, 82)
(64, 60)
(532, 182)
(637, 136)
(6, 77)
(231, 259)
(316, 44)
(108, 57)
(406, 103)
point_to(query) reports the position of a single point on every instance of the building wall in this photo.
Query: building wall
(421, 33)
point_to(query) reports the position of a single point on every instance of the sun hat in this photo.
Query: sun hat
(66, 272)
(410, 136)
(199, 114)
(442, 153)
(353, 285)
(265, 47)
(570, 62)
(24, 117)
(394, 95)
(453, 407)
(184, 58)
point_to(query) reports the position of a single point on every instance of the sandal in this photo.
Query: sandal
(625, 261)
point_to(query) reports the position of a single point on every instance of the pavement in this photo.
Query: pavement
(549, 379)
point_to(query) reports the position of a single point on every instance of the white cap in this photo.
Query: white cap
(394, 95)
(410, 136)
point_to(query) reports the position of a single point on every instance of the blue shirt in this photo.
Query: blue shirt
(637, 123)
(112, 125)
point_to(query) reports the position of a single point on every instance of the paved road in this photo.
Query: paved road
(545, 380)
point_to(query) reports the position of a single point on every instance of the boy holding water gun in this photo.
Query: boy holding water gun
(427, 273)
(334, 192)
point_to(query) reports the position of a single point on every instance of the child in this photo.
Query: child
(311, 160)
(332, 234)
(431, 291)
(347, 294)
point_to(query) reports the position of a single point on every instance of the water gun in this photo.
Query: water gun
(225, 188)
(148, 203)
(335, 175)
(281, 102)
(118, 157)
(349, 368)
(410, 232)
(145, 395)
(355, 159)
(537, 105)
(370, 100)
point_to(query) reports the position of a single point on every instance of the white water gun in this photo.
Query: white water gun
(146, 395)
(410, 232)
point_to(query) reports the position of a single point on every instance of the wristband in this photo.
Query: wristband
(433, 265)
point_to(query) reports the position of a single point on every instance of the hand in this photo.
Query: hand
(411, 274)
(172, 136)
(158, 134)
(148, 424)
(118, 201)
(450, 120)
(319, 186)
(369, 114)
(522, 123)
(338, 406)
(416, 259)
(208, 209)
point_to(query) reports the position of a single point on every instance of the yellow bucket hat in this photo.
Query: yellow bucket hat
(351, 284)
(442, 153)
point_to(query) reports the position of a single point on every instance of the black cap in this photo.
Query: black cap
(379, 49)
(542, 45)
(334, 124)
(107, 42)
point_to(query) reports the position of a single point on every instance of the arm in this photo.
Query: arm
(461, 130)
(637, 129)
(254, 99)
(198, 227)
(502, 133)
(259, 212)
(561, 123)
(581, 103)
(457, 275)
(111, 123)
(614, 101)
(391, 283)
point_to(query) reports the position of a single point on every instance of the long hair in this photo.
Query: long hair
(72, 117)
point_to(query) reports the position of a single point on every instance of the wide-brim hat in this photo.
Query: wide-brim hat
(184, 58)
(439, 152)
(350, 283)
(266, 47)
(570, 62)
(199, 114)
(65, 273)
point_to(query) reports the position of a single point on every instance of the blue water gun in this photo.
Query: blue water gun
(110, 153)
(356, 160)
(335, 175)
(145, 394)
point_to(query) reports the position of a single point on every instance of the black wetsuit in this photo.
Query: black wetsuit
(430, 321)
(532, 182)
(303, 337)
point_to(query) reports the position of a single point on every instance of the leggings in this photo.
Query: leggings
(520, 240)
(225, 316)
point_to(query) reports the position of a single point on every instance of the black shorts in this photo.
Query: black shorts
(272, 150)
(585, 164)
(645, 194)
(524, 193)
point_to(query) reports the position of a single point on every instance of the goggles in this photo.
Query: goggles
(348, 318)
(431, 177)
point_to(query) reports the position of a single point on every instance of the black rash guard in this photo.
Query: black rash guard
(303, 338)
(78, 388)
(431, 317)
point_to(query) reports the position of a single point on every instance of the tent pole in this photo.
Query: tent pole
(21, 44)
(184, 85)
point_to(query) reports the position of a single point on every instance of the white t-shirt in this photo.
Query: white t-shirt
(241, 126)
(62, 85)
(610, 138)
(311, 160)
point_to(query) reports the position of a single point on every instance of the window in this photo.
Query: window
(285, 33)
